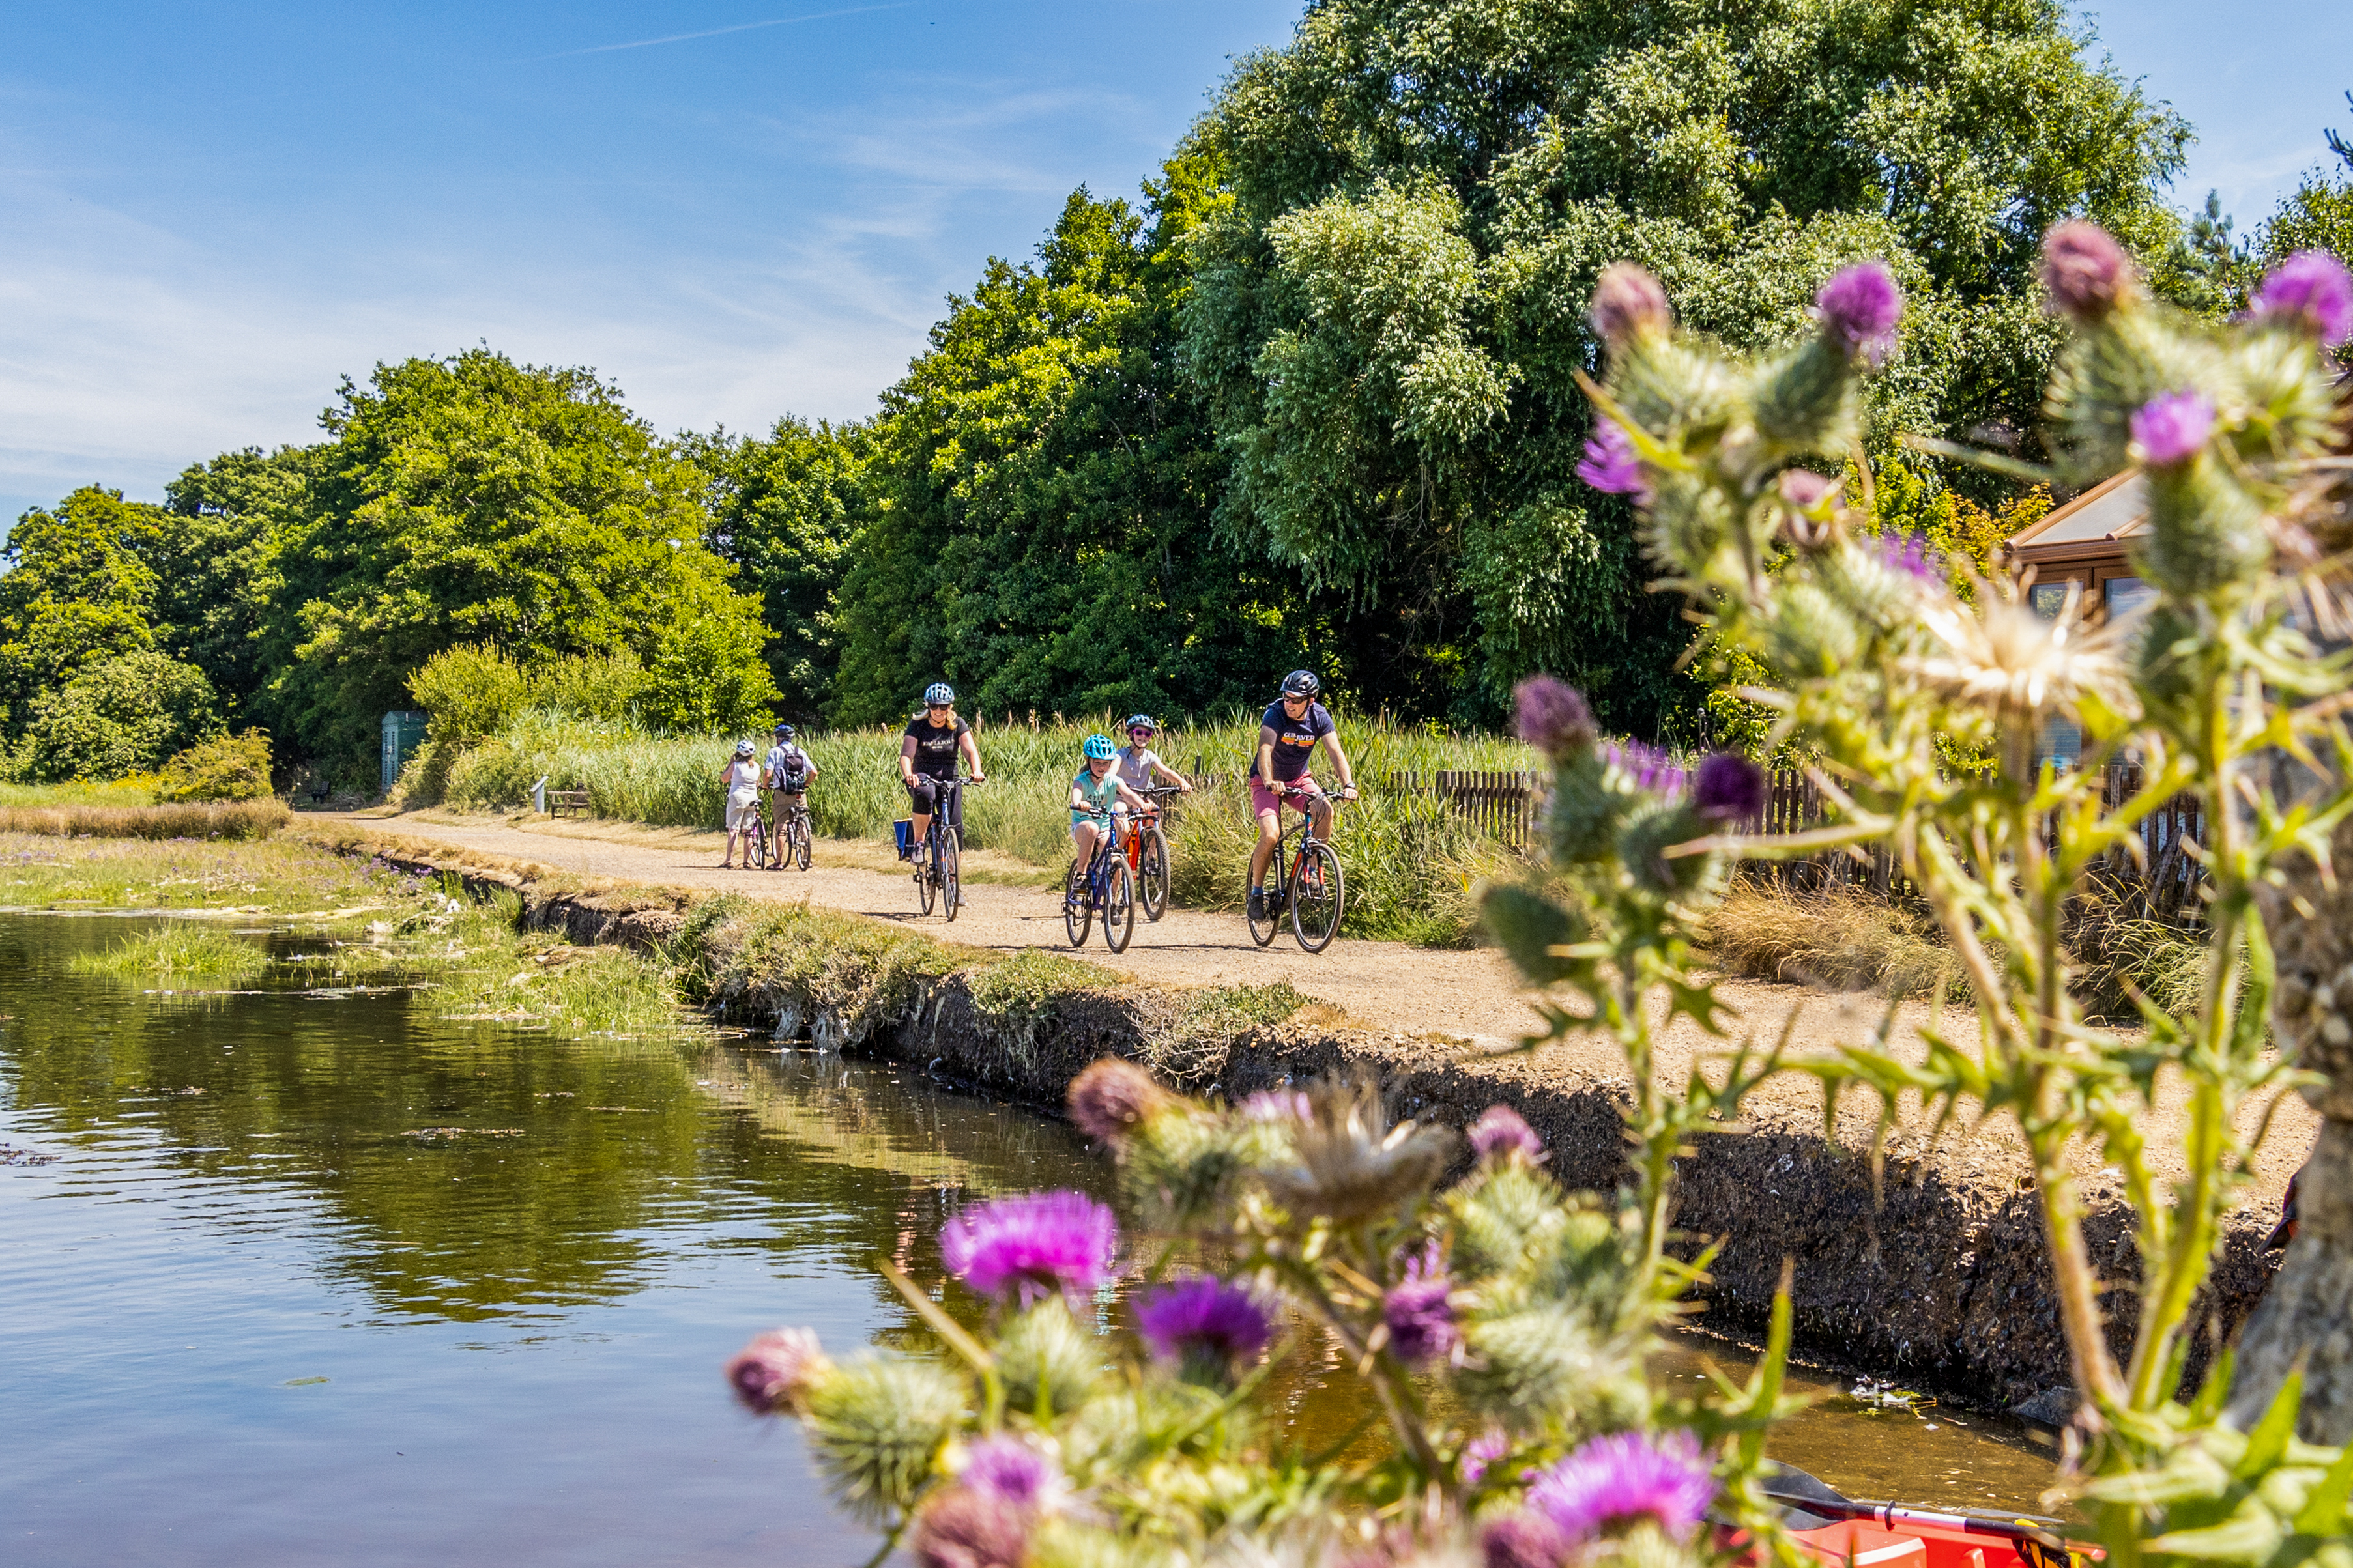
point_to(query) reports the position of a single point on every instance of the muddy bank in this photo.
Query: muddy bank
(1935, 1274)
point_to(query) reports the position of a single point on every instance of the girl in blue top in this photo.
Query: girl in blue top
(1096, 795)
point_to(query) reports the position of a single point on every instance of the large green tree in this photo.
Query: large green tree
(476, 500)
(1045, 486)
(76, 590)
(783, 511)
(215, 556)
(1389, 317)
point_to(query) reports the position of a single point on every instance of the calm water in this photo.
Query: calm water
(324, 1279)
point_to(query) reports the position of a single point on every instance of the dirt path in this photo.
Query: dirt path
(1470, 996)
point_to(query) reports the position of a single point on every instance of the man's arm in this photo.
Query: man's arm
(1340, 762)
(1266, 755)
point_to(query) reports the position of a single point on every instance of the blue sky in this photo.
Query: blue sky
(736, 208)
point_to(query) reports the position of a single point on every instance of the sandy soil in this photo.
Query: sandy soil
(1470, 997)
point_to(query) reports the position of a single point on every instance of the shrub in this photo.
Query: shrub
(228, 767)
(121, 716)
(470, 692)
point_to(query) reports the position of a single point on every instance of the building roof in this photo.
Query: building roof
(2091, 527)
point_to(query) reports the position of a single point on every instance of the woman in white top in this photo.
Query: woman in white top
(742, 775)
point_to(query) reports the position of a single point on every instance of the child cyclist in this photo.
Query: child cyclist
(786, 773)
(1139, 764)
(1287, 737)
(1097, 793)
(741, 776)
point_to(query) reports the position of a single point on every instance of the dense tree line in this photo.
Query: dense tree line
(1312, 400)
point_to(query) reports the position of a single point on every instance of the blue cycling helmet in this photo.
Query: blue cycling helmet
(939, 694)
(784, 732)
(1142, 721)
(1100, 749)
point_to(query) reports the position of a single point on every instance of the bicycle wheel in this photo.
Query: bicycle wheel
(1119, 907)
(801, 842)
(1318, 898)
(1152, 875)
(927, 870)
(759, 847)
(951, 873)
(1262, 930)
(1078, 916)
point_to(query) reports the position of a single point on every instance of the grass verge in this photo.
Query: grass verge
(137, 790)
(231, 820)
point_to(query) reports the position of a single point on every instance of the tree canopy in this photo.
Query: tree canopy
(476, 500)
(1389, 320)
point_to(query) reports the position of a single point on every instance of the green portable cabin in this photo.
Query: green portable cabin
(404, 732)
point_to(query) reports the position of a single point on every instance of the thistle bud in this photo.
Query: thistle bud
(1529, 926)
(2086, 272)
(2311, 291)
(1804, 488)
(1501, 1134)
(1859, 308)
(2172, 428)
(772, 1372)
(1554, 717)
(1728, 788)
(1628, 303)
(1112, 1097)
(1525, 1540)
(965, 1527)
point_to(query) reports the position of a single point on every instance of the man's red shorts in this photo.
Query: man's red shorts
(1265, 799)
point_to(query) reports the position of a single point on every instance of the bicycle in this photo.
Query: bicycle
(790, 840)
(1313, 891)
(1104, 883)
(939, 859)
(1147, 852)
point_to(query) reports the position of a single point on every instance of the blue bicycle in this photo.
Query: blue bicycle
(1102, 886)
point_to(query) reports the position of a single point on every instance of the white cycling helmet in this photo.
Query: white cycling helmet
(939, 694)
(743, 748)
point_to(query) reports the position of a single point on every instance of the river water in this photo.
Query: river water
(291, 1279)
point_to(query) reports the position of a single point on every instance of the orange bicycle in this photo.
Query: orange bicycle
(1148, 851)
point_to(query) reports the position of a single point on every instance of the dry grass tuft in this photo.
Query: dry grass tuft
(1839, 939)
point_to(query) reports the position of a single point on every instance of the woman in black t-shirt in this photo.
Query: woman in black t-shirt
(935, 742)
(1295, 724)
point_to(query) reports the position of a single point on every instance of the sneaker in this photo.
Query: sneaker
(1257, 904)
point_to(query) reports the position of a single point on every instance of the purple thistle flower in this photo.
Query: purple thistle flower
(2172, 428)
(1006, 1467)
(1278, 1105)
(1610, 463)
(1480, 1452)
(1625, 1476)
(1652, 770)
(1861, 307)
(963, 1528)
(1036, 1243)
(1111, 1097)
(1422, 1325)
(2312, 290)
(770, 1373)
(1524, 1539)
(1911, 554)
(1804, 488)
(1554, 717)
(1627, 303)
(2084, 271)
(1729, 788)
(1500, 1133)
(1205, 1320)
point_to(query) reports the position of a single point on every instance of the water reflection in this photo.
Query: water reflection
(317, 1279)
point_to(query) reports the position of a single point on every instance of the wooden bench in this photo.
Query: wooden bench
(560, 801)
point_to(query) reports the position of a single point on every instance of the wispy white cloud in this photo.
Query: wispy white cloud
(716, 32)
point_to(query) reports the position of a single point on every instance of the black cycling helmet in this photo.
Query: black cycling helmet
(1301, 683)
(783, 732)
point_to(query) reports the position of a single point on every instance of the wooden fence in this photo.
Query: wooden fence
(1505, 804)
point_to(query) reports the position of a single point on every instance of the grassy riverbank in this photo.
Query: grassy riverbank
(1411, 862)
(354, 922)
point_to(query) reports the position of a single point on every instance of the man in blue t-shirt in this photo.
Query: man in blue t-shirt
(1287, 736)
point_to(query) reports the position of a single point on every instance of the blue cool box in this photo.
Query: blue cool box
(904, 831)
